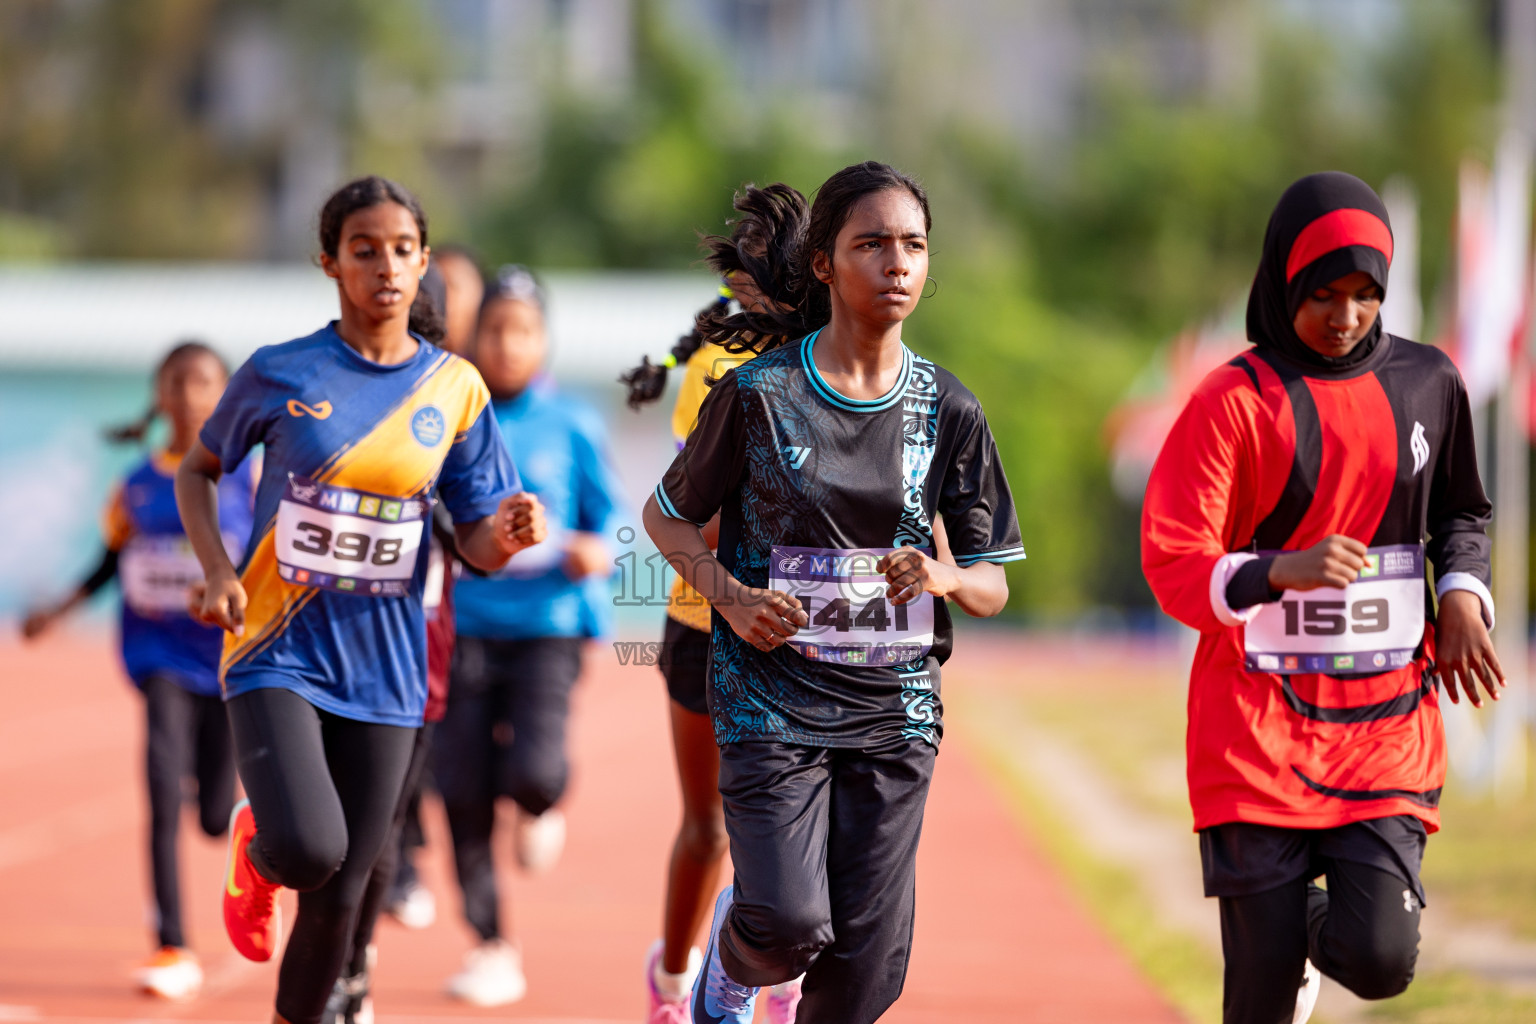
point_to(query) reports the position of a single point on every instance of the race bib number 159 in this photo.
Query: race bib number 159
(852, 621)
(1373, 625)
(348, 541)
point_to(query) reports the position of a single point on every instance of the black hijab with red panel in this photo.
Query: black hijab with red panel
(1326, 226)
(1276, 451)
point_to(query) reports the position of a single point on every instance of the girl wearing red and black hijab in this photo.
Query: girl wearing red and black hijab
(1288, 519)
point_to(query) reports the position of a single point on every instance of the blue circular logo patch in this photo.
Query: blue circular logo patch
(428, 425)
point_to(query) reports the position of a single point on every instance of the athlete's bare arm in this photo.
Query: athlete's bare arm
(1332, 562)
(1463, 649)
(1464, 655)
(764, 618)
(220, 599)
(980, 590)
(517, 523)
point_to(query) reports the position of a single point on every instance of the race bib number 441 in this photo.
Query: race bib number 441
(348, 541)
(1373, 625)
(852, 621)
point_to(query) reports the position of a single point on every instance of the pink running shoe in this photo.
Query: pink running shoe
(661, 1009)
(783, 1001)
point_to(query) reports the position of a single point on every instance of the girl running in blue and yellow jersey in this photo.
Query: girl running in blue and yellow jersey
(173, 660)
(325, 663)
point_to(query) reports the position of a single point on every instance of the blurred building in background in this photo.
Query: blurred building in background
(260, 107)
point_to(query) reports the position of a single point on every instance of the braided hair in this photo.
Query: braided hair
(800, 302)
(762, 247)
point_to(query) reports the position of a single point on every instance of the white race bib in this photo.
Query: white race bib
(437, 579)
(1373, 625)
(157, 572)
(346, 540)
(852, 621)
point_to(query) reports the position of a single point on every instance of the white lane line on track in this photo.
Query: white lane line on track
(10, 1012)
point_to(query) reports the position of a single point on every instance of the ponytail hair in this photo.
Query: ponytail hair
(646, 382)
(136, 431)
(800, 302)
(426, 318)
(762, 245)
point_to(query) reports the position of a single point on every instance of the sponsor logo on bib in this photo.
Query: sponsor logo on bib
(346, 540)
(428, 426)
(852, 621)
(1373, 625)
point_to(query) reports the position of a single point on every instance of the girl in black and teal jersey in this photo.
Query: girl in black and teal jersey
(829, 458)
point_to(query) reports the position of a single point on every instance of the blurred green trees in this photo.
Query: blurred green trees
(1057, 278)
(1059, 272)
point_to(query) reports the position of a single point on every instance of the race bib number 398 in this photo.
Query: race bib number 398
(1373, 625)
(348, 541)
(852, 621)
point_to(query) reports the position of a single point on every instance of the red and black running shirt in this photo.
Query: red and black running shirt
(1273, 455)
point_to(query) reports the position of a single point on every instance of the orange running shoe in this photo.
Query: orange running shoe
(252, 916)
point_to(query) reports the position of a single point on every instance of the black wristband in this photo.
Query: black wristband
(1250, 585)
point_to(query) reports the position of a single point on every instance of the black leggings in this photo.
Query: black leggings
(1363, 932)
(382, 881)
(502, 734)
(187, 737)
(324, 791)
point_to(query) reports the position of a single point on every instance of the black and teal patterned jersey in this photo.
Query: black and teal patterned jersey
(791, 464)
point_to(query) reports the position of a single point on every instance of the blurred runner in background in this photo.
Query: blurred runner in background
(521, 632)
(1285, 519)
(455, 282)
(173, 660)
(463, 289)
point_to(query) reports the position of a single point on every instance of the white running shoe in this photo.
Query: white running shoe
(416, 908)
(1306, 997)
(539, 840)
(669, 1005)
(170, 974)
(492, 975)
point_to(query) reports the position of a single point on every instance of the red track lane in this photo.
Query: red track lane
(998, 937)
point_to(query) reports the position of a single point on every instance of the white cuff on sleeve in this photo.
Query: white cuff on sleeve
(1226, 567)
(1466, 581)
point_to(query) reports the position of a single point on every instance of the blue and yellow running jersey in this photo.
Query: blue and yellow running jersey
(334, 571)
(156, 567)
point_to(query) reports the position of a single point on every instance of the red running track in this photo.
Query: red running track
(999, 939)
